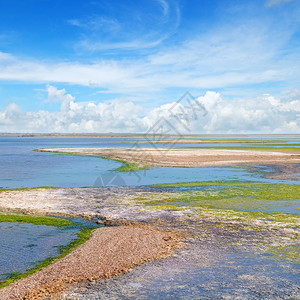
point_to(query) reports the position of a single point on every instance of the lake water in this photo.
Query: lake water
(23, 245)
(22, 167)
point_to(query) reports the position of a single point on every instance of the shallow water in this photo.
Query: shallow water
(202, 274)
(237, 275)
(173, 175)
(23, 245)
(22, 167)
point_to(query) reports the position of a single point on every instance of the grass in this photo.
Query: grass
(82, 236)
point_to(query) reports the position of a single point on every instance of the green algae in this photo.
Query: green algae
(228, 194)
(197, 140)
(286, 145)
(36, 220)
(82, 236)
(206, 183)
(30, 188)
(290, 253)
(126, 167)
(242, 201)
(247, 148)
(130, 167)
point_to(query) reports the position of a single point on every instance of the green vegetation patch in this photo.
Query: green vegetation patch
(237, 141)
(197, 140)
(231, 195)
(223, 183)
(126, 167)
(82, 236)
(36, 220)
(290, 253)
(131, 167)
(27, 188)
(251, 148)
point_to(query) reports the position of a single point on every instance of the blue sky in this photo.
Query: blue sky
(146, 54)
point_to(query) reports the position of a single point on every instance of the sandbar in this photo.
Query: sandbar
(166, 157)
(109, 252)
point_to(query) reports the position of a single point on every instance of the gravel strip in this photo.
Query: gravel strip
(110, 251)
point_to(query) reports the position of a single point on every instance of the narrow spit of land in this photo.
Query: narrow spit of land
(109, 252)
(166, 157)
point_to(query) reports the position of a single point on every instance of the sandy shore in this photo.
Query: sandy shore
(209, 240)
(110, 251)
(184, 157)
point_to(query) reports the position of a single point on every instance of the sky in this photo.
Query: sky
(195, 66)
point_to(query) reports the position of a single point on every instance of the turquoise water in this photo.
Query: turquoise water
(22, 167)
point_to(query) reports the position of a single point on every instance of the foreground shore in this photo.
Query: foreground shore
(219, 246)
(109, 252)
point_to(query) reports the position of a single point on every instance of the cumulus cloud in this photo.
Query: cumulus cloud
(265, 114)
(210, 113)
(73, 116)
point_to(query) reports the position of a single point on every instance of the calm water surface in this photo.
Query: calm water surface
(22, 167)
(23, 245)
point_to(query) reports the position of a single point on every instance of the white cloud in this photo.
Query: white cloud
(165, 7)
(244, 55)
(126, 45)
(270, 3)
(98, 23)
(266, 114)
(107, 34)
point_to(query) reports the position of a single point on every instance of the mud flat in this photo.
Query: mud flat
(166, 157)
(227, 253)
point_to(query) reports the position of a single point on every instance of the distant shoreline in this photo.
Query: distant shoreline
(137, 135)
(113, 135)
